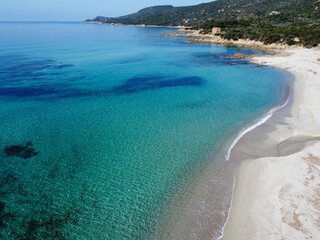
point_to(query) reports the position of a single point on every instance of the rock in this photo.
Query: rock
(193, 41)
(216, 30)
(243, 56)
(274, 13)
(21, 151)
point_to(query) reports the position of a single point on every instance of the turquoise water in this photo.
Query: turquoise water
(102, 126)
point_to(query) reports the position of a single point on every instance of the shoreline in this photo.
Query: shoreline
(191, 217)
(247, 130)
(250, 190)
(254, 125)
(292, 136)
(260, 121)
(277, 138)
(269, 159)
(196, 38)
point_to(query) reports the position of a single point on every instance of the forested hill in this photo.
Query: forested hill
(308, 10)
(135, 18)
(270, 21)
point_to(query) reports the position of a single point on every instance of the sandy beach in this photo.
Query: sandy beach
(277, 165)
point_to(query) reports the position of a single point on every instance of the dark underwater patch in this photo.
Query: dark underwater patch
(18, 65)
(39, 79)
(42, 79)
(61, 66)
(33, 213)
(21, 151)
(220, 59)
(209, 60)
(131, 60)
(140, 84)
(24, 77)
(55, 92)
(25, 91)
(49, 227)
(2, 206)
(24, 69)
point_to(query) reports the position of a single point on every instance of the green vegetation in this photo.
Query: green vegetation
(139, 17)
(287, 21)
(266, 30)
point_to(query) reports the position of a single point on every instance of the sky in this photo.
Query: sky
(77, 10)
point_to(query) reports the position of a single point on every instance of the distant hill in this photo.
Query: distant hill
(270, 21)
(220, 9)
(135, 18)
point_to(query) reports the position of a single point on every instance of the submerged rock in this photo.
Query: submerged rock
(243, 56)
(2, 206)
(21, 151)
(193, 41)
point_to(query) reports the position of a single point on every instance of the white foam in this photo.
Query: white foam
(229, 210)
(260, 121)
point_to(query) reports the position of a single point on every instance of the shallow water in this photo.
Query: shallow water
(106, 132)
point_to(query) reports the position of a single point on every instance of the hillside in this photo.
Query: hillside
(265, 20)
(135, 17)
(169, 15)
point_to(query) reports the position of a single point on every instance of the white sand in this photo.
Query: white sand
(279, 197)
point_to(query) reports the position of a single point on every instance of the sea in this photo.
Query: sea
(108, 132)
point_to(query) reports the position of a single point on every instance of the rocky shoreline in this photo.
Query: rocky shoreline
(195, 37)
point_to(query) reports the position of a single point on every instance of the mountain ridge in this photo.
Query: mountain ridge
(189, 15)
(269, 21)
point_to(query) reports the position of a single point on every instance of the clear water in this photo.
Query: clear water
(101, 127)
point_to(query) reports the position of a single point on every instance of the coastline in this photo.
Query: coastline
(277, 165)
(276, 162)
(241, 147)
(196, 38)
(281, 109)
(189, 220)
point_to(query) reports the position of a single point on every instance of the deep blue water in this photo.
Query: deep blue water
(103, 126)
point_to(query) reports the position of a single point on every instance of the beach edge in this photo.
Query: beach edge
(267, 202)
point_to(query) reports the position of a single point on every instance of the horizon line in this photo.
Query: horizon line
(41, 20)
